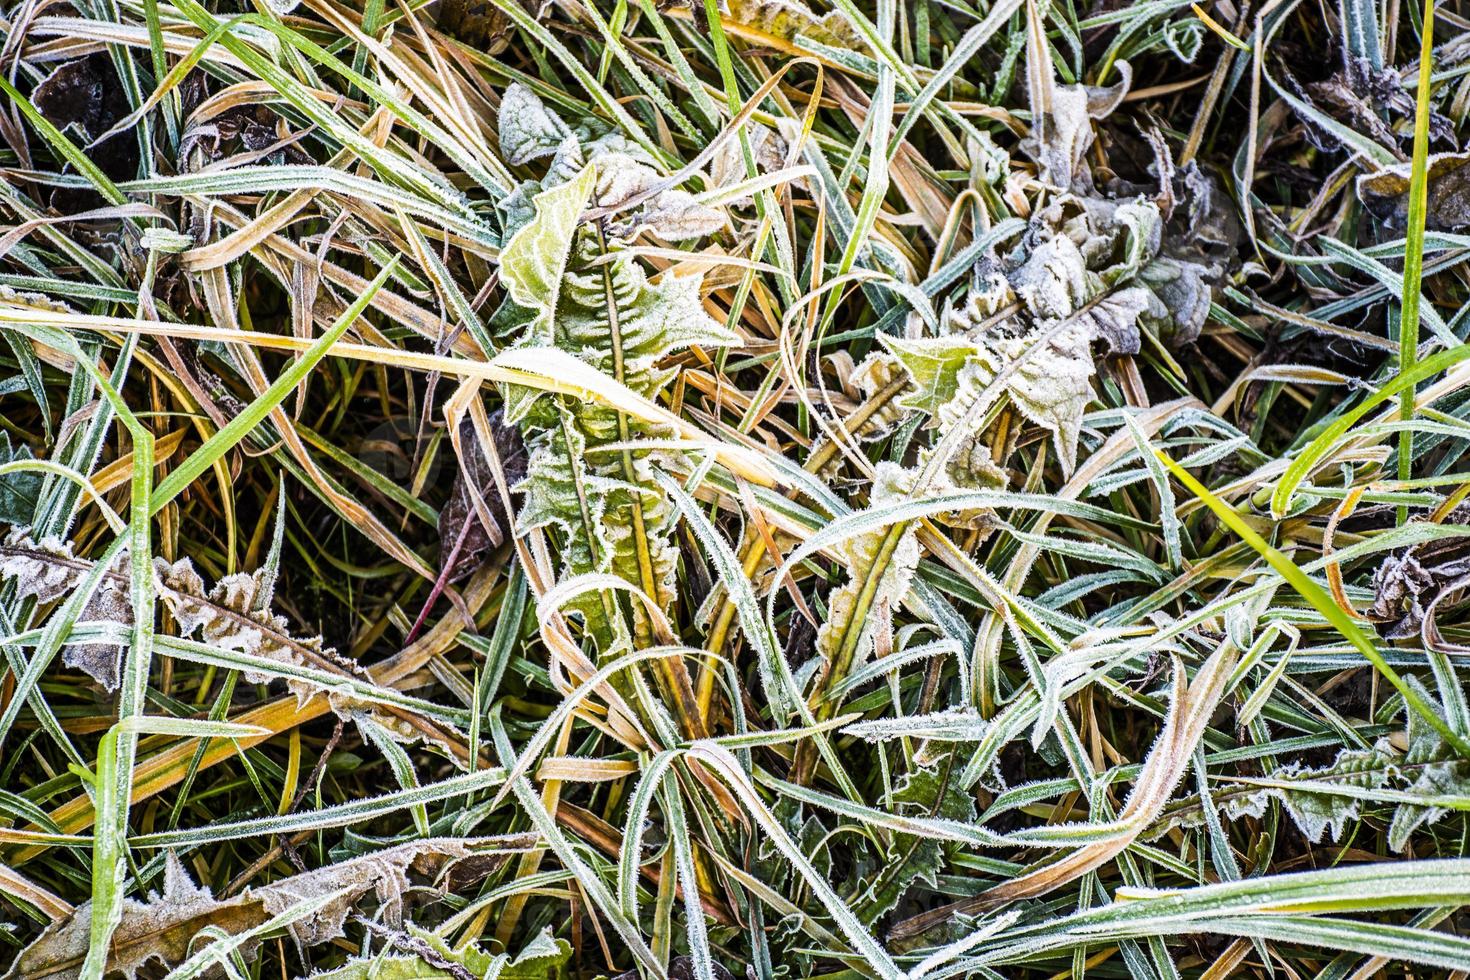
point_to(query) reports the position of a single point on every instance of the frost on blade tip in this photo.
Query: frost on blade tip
(10, 296)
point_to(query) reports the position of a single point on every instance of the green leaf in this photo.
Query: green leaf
(534, 261)
(933, 365)
(594, 301)
(1317, 812)
(19, 490)
(1431, 769)
(927, 791)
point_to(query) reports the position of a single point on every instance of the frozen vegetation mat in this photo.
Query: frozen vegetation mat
(549, 489)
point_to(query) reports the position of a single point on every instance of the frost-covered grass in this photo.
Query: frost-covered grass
(612, 488)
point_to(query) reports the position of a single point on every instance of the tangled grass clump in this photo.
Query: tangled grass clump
(765, 488)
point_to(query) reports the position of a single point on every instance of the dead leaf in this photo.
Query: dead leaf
(1060, 141)
(234, 614)
(478, 23)
(464, 541)
(1410, 585)
(85, 98)
(164, 927)
(1386, 194)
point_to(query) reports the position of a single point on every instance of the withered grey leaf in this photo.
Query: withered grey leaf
(159, 929)
(1183, 293)
(235, 614)
(728, 165)
(1054, 384)
(1060, 142)
(230, 616)
(1198, 244)
(47, 570)
(620, 178)
(682, 968)
(1114, 318)
(44, 570)
(1053, 281)
(111, 603)
(1318, 814)
(1341, 99)
(676, 216)
(72, 95)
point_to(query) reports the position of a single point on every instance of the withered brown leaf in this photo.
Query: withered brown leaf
(164, 927)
